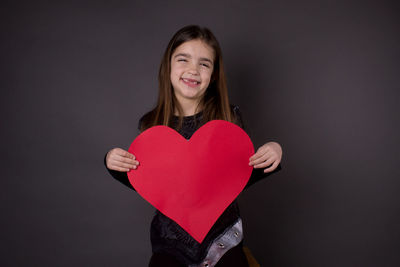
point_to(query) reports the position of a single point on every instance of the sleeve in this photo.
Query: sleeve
(121, 176)
(257, 174)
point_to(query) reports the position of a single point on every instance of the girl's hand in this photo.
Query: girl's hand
(121, 160)
(268, 154)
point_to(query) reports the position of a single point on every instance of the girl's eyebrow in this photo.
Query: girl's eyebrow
(189, 56)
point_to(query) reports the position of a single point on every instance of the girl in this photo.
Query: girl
(193, 91)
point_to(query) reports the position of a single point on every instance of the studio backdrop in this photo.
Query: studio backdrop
(319, 77)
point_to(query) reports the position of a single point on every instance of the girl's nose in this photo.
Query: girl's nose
(193, 69)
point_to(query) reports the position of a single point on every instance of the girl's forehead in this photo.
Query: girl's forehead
(195, 46)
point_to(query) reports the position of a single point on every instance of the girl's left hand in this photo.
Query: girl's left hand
(269, 154)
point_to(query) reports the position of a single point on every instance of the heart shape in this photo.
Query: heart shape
(192, 181)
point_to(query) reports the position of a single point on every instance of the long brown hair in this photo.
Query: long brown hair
(215, 101)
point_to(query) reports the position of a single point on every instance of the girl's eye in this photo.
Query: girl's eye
(182, 59)
(205, 65)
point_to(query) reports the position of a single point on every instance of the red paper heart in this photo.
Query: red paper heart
(192, 181)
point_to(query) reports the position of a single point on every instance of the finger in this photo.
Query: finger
(272, 168)
(255, 157)
(124, 153)
(261, 159)
(260, 151)
(129, 166)
(124, 159)
(265, 163)
(123, 164)
(278, 159)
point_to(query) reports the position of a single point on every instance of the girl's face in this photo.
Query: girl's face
(192, 65)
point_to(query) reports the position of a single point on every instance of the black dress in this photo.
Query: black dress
(173, 246)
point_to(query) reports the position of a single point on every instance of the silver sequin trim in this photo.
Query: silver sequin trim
(231, 238)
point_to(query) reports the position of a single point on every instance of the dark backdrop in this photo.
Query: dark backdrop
(319, 77)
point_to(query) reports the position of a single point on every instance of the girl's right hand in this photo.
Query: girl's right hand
(121, 160)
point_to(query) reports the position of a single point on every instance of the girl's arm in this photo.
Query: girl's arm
(119, 176)
(259, 174)
(268, 154)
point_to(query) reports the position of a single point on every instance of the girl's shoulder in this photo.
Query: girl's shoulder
(145, 120)
(238, 115)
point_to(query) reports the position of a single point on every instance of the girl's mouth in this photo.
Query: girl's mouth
(190, 82)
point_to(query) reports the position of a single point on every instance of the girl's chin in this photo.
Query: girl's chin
(191, 97)
(191, 94)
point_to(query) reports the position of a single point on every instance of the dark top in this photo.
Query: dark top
(166, 235)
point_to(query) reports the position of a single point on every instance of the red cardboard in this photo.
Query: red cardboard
(192, 181)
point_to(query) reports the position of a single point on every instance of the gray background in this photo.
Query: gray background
(319, 77)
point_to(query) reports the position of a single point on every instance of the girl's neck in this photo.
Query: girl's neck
(189, 109)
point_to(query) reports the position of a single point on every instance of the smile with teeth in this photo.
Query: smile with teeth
(190, 82)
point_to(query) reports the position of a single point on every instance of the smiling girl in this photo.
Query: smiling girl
(193, 91)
